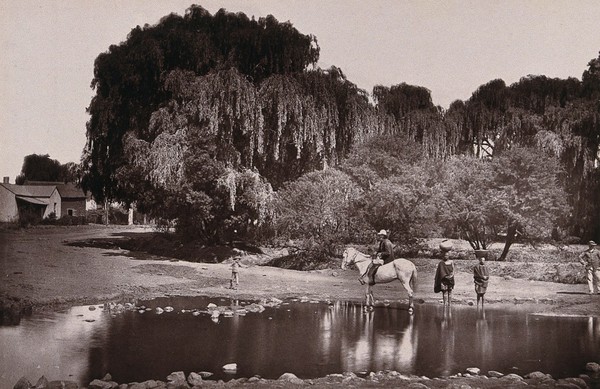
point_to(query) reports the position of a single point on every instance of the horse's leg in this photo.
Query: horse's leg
(369, 299)
(409, 290)
(406, 285)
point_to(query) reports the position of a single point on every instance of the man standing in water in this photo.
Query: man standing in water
(481, 278)
(444, 274)
(590, 259)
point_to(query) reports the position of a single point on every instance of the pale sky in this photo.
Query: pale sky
(48, 48)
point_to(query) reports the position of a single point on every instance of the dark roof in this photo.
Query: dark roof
(30, 190)
(66, 191)
(46, 183)
(70, 191)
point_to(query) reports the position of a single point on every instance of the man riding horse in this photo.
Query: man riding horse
(385, 254)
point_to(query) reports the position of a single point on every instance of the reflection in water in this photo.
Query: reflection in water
(310, 340)
(379, 340)
(447, 339)
(54, 345)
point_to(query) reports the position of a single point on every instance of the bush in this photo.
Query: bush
(304, 261)
(29, 217)
(115, 216)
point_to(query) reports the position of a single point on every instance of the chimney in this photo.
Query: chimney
(6, 180)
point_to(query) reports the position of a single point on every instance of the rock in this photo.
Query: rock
(593, 367)
(230, 367)
(495, 374)
(194, 379)
(211, 306)
(101, 384)
(22, 383)
(176, 380)
(107, 377)
(473, 370)
(538, 375)
(512, 377)
(205, 374)
(577, 381)
(92, 308)
(291, 378)
(42, 383)
(417, 385)
(176, 376)
(123, 386)
(254, 379)
(564, 384)
(168, 309)
(63, 385)
(158, 310)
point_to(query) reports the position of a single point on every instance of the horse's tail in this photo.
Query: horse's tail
(413, 279)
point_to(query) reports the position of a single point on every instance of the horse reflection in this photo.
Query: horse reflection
(380, 346)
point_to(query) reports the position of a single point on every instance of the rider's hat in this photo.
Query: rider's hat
(592, 243)
(382, 232)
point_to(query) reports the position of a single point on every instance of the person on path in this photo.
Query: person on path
(444, 275)
(481, 278)
(235, 269)
(590, 259)
(384, 254)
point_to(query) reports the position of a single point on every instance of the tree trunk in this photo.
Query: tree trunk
(511, 234)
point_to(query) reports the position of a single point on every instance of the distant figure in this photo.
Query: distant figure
(481, 278)
(444, 275)
(590, 259)
(384, 254)
(235, 269)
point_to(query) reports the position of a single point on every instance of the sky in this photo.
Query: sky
(48, 48)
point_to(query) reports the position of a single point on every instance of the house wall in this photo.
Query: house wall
(8, 206)
(53, 205)
(77, 205)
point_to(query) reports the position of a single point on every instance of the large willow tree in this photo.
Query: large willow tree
(129, 79)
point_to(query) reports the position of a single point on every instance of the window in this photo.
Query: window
(70, 212)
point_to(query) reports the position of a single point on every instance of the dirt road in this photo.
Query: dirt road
(38, 266)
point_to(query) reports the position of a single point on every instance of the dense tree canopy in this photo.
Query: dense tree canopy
(201, 118)
(37, 167)
(129, 79)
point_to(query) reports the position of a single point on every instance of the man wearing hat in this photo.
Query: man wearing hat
(590, 259)
(385, 253)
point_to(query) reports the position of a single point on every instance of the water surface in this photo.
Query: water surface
(307, 339)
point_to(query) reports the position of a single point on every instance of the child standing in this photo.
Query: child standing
(444, 275)
(235, 269)
(481, 278)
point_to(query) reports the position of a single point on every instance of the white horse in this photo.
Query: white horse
(400, 269)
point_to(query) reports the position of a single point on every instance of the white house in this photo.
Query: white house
(41, 200)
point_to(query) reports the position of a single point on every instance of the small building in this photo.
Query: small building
(40, 199)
